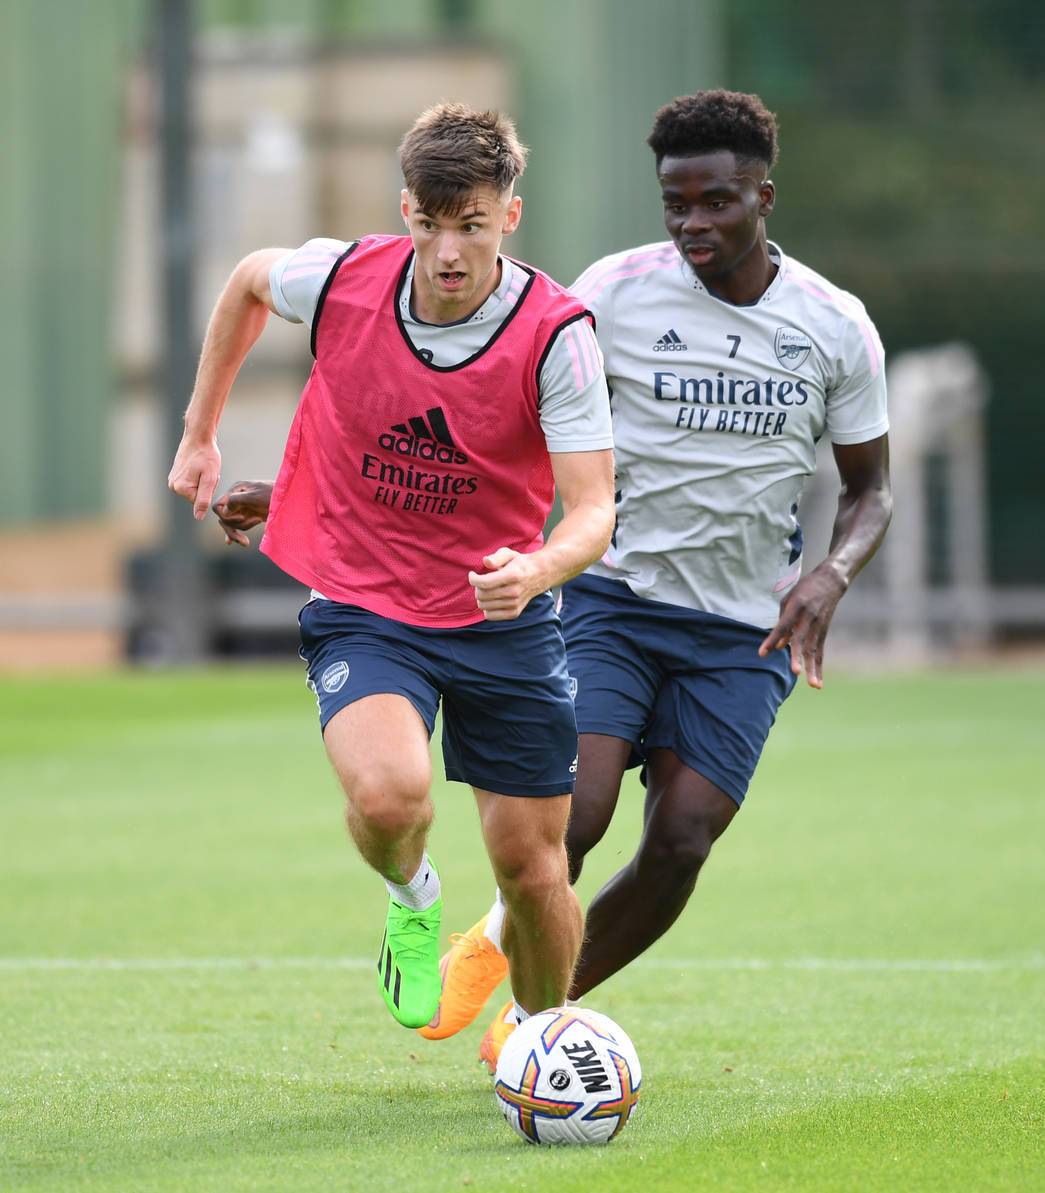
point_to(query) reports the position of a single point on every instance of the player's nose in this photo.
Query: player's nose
(695, 223)
(449, 249)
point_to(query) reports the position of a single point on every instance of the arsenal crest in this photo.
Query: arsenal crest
(791, 347)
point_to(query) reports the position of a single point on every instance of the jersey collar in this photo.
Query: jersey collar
(776, 254)
(487, 312)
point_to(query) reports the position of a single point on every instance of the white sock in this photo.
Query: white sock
(520, 1015)
(495, 923)
(421, 891)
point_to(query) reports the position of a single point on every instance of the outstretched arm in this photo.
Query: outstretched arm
(236, 322)
(584, 481)
(864, 509)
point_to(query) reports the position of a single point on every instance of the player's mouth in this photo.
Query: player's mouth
(699, 254)
(451, 279)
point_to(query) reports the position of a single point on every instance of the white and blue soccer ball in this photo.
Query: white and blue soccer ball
(568, 1076)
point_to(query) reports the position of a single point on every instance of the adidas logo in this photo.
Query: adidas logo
(426, 437)
(670, 342)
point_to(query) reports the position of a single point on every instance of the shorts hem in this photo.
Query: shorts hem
(607, 730)
(521, 790)
(325, 718)
(723, 781)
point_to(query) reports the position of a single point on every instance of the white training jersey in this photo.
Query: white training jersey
(717, 410)
(574, 414)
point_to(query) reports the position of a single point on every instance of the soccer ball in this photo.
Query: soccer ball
(568, 1076)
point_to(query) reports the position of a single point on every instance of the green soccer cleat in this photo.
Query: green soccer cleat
(408, 966)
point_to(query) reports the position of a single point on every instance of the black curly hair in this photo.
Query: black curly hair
(711, 120)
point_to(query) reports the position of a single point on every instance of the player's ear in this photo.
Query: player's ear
(512, 216)
(404, 205)
(766, 198)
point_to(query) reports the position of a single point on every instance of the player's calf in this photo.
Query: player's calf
(542, 930)
(542, 938)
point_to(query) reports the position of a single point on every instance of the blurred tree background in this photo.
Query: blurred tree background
(913, 153)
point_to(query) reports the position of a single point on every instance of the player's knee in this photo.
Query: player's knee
(388, 806)
(530, 876)
(676, 852)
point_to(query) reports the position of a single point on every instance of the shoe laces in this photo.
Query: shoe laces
(411, 937)
(487, 956)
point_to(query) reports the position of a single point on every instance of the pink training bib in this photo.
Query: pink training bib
(399, 475)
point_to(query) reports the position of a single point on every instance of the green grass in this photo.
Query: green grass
(794, 1031)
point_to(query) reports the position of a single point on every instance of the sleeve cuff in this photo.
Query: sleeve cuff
(276, 290)
(863, 436)
(603, 443)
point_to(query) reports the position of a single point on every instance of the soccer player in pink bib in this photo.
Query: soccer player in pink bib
(454, 390)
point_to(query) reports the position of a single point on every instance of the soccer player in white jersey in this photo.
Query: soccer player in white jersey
(726, 362)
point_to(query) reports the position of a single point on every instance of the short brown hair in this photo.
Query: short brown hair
(452, 149)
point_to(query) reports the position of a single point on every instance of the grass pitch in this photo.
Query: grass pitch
(853, 1000)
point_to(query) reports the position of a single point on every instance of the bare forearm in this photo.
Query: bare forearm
(864, 510)
(859, 527)
(236, 322)
(577, 541)
(511, 580)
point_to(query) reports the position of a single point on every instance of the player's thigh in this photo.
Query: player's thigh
(378, 746)
(685, 811)
(602, 761)
(611, 642)
(614, 676)
(377, 700)
(716, 715)
(508, 720)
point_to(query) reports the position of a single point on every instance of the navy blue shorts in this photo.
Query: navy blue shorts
(660, 675)
(508, 723)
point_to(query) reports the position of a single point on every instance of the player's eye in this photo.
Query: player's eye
(469, 227)
(719, 204)
(428, 226)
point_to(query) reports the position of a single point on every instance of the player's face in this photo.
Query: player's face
(456, 269)
(713, 210)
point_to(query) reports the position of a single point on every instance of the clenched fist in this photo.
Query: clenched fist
(243, 507)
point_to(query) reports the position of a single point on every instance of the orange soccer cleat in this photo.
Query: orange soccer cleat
(470, 972)
(493, 1041)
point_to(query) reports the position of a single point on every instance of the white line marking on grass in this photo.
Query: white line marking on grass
(852, 964)
(246, 964)
(162, 964)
